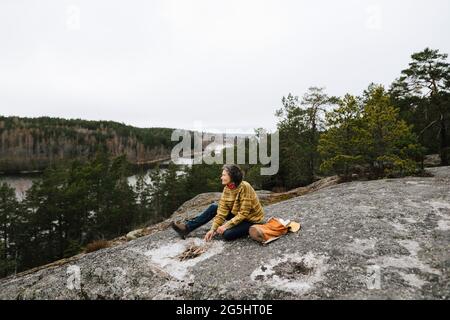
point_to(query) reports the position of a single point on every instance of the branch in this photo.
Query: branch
(421, 132)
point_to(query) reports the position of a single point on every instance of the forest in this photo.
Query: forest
(33, 144)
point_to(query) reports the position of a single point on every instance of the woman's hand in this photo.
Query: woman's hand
(209, 235)
(221, 229)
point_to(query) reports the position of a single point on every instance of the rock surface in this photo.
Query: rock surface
(383, 239)
(432, 160)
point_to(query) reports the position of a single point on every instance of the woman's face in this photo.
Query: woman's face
(226, 179)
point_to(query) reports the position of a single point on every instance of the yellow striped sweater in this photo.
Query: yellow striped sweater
(243, 202)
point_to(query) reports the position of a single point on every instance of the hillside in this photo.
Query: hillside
(34, 143)
(396, 231)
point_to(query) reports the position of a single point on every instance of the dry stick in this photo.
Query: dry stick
(192, 251)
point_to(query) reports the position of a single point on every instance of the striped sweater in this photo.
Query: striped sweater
(243, 202)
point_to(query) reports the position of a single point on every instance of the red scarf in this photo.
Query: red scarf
(231, 185)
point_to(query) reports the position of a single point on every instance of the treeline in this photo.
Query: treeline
(35, 143)
(382, 133)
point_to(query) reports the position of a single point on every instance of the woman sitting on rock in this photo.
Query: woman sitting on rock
(238, 204)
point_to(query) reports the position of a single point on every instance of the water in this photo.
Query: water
(22, 182)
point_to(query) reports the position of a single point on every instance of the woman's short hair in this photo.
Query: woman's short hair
(235, 173)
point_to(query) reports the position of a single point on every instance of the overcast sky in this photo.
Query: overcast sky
(221, 65)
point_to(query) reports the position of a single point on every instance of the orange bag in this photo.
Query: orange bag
(273, 229)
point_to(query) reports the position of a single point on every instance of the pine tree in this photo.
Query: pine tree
(203, 177)
(300, 123)
(173, 189)
(423, 94)
(8, 216)
(369, 132)
(339, 146)
(146, 214)
(387, 142)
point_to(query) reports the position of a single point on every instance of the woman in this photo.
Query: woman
(239, 206)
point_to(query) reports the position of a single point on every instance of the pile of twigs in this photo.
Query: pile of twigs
(191, 252)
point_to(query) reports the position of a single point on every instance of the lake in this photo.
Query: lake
(22, 182)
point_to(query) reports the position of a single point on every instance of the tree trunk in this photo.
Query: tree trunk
(444, 146)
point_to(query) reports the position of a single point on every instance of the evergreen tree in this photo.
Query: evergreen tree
(422, 93)
(340, 145)
(114, 199)
(299, 128)
(173, 189)
(146, 214)
(8, 215)
(203, 177)
(387, 142)
(252, 172)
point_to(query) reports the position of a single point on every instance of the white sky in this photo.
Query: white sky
(223, 65)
